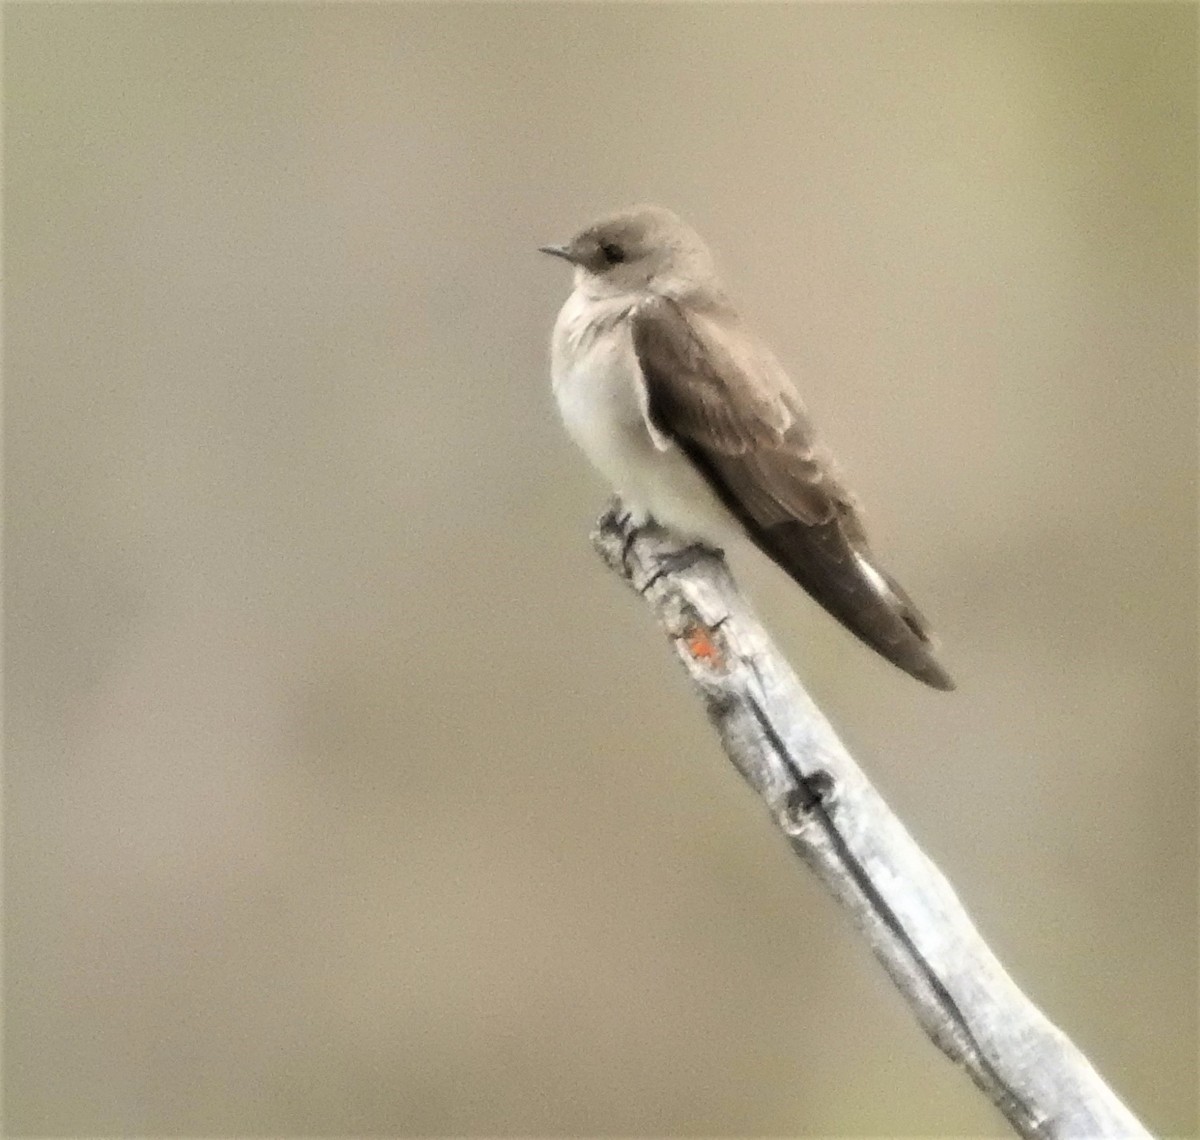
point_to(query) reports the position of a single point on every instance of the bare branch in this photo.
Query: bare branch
(840, 826)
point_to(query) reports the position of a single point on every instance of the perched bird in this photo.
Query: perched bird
(697, 426)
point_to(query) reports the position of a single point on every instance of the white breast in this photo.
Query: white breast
(599, 387)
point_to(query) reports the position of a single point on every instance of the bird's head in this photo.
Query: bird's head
(638, 250)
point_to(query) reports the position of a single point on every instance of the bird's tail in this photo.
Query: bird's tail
(867, 601)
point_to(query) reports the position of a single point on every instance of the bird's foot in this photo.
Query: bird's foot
(628, 522)
(632, 528)
(681, 559)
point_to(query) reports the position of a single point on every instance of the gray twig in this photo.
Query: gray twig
(840, 826)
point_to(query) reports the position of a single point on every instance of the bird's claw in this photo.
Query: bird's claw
(631, 536)
(681, 559)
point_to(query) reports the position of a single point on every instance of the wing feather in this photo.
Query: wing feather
(712, 383)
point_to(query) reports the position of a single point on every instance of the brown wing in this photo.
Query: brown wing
(719, 394)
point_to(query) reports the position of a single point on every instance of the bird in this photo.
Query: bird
(698, 428)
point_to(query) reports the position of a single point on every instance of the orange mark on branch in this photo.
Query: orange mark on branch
(702, 647)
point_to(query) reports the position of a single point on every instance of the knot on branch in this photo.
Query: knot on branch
(815, 794)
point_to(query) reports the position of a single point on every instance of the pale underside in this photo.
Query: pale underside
(602, 397)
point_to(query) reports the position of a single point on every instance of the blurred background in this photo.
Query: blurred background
(346, 792)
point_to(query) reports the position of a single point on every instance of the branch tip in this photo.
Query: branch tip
(835, 820)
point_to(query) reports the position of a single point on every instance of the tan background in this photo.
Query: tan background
(346, 792)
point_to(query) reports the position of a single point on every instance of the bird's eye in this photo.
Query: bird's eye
(613, 254)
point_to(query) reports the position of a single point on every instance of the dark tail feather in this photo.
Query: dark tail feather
(864, 599)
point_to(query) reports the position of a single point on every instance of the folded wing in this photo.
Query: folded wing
(721, 396)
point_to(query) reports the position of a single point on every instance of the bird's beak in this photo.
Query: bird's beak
(557, 251)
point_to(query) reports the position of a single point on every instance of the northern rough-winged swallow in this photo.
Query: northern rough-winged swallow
(696, 425)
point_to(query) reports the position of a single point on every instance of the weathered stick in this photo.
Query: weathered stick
(839, 825)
